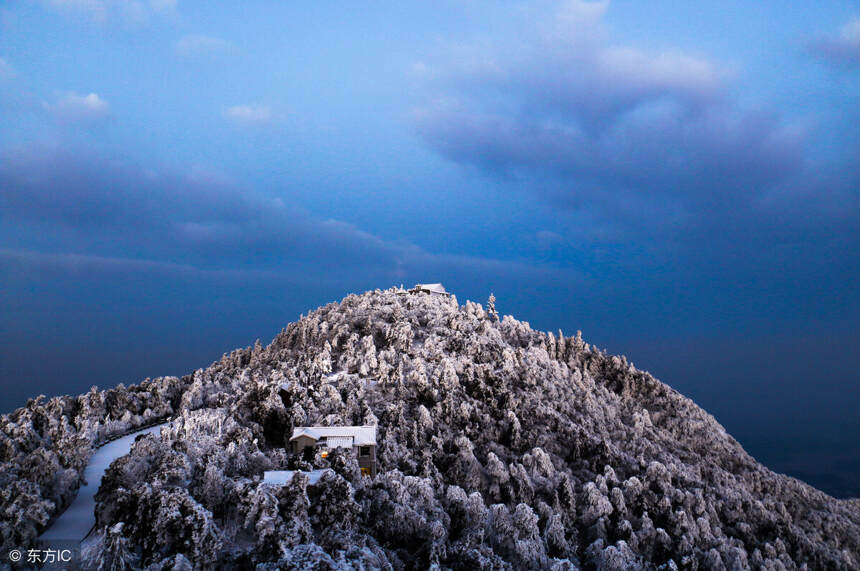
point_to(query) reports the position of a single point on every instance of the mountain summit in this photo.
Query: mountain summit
(496, 446)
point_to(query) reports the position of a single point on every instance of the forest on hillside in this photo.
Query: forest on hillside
(499, 447)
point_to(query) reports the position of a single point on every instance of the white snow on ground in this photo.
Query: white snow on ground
(75, 523)
(335, 377)
(281, 477)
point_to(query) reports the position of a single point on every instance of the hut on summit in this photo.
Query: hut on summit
(432, 289)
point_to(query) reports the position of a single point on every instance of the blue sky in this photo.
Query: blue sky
(680, 182)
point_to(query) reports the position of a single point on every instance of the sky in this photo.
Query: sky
(679, 181)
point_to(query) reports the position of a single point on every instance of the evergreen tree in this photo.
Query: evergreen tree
(491, 308)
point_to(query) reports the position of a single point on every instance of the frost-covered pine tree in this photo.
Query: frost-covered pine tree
(110, 551)
(491, 308)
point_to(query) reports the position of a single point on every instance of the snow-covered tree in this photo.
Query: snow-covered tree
(110, 551)
(491, 308)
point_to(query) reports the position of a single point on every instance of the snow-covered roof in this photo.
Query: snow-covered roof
(305, 431)
(281, 477)
(361, 435)
(432, 288)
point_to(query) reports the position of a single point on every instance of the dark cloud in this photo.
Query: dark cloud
(649, 140)
(81, 208)
(174, 216)
(671, 189)
(657, 152)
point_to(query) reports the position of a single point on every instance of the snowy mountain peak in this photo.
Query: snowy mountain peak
(497, 446)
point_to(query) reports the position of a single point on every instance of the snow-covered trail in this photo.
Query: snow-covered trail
(75, 523)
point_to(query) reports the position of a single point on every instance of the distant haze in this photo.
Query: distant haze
(678, 182)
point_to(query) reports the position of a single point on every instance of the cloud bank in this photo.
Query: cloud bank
(77, 201)
(603, 125)
(648, 147)
(172, 215)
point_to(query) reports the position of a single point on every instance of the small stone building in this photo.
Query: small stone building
(360, 439)
(432, 289)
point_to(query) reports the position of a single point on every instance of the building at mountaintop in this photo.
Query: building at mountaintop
(433, 289)
(360, 439)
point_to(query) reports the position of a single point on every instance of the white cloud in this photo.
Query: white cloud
(197, 45)
(72, 107)
(565, 58)
(664, 71)
(134, 12)
(578, 12)
(249, 115)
